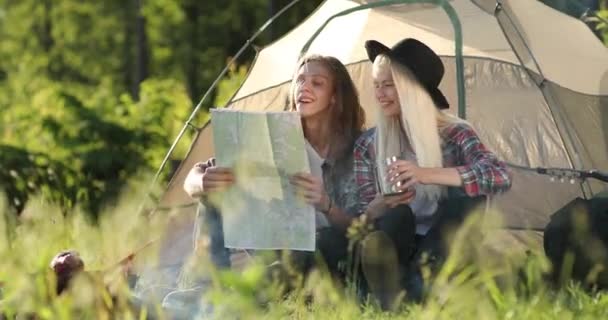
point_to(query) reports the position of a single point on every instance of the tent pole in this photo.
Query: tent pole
(211, 88)
(452, 15)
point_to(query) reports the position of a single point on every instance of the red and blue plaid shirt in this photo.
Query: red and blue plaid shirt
(481, 171)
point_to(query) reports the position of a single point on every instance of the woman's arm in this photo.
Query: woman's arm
(335, 215)
(442, 176)
(313, 191)
(410, 174)
(480, 170)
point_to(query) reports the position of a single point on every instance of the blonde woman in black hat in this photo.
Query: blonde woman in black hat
(419, 168)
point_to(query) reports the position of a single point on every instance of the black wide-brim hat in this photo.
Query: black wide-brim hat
(424, 63)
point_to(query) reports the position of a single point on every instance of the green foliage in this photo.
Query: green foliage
(159, 114)
(230, 84)
(475, 283)
(27, 283)
(23, 173)
(97, 91)
(602, 26)
(99, 152)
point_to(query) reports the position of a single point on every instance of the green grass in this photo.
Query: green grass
(476, 283)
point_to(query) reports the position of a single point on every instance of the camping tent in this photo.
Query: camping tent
(535, 83)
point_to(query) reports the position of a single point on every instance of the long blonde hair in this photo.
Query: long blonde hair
(418, 126)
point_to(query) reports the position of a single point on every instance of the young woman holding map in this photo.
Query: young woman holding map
(332, 119)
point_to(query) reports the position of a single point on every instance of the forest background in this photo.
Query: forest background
(93, 93)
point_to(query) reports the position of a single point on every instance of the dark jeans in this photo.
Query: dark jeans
(450, 215)
(581, 229)
(431, 249)
(332, 244)
(399, 225)
(212, 220)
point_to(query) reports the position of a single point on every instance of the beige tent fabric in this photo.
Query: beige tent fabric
(388, 25)
(587, 120)
(486, 5)
(482, 35)
(282, 55)
(569, 55)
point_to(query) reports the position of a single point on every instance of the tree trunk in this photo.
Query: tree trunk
(192, 65)
(271, 9)
(141, 50)
(47, 27)
(128, 67)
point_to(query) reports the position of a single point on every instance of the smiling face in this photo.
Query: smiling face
(313, 90)
(384, 88)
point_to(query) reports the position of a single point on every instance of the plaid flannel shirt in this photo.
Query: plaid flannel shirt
(340, 184)
(480, 170)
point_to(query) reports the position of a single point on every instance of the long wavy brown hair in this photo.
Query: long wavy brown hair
(347, 117)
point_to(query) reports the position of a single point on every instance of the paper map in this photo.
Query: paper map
(261, 210)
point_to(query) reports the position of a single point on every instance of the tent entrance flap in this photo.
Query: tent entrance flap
(452, 15)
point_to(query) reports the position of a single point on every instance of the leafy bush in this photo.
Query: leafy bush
(91, 155)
